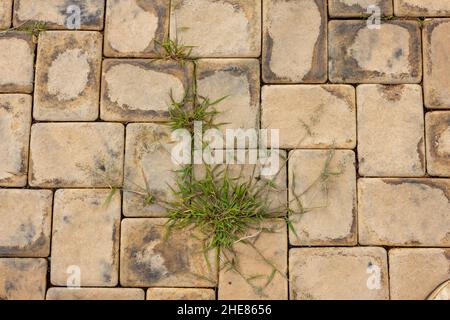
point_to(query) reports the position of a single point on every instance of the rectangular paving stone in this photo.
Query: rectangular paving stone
(95, 294)
(404, 212)
(139, 90)
(294, 41)
(332, 203)
(5, 13)
(147, 25)
(76, 155)
(223, 28)
(23, 279)
(338, 273)
(86, 228)
(25, 222)
(180, 294)
(438, 143)
(388, 55)
(415, 273)
(358, 8)
(15, 124)
(68, 76)
(310, 116)
(390, 130)
(422, 8)
(149, 257)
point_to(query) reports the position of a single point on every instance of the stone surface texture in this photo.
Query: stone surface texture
(180, 294)
(5, 14)
(359, 8)
(438, 143)
(95, 294)
(422, 8)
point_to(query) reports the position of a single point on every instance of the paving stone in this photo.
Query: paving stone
(5, 14)
(311, 116)
(294, 41)
(76, 155)
(16, 62)
(146, 23)
(25, 222)
(420, 219)
(23, 279)
(422, 8)
(441, 293)
(223, 28)
(95, 294)
(272, 245)
(68, 76)
(180, 294)
(358, 8)
(15, 123)
(390, 130)
(333, 221)
(149, 257)
(388, 55)
(415, 273)
(139, 90)
(438, 143)
(338, 273)
(58, 14)
(81, 218)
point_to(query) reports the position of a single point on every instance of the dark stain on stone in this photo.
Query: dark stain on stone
(391, 93)
(432, 183)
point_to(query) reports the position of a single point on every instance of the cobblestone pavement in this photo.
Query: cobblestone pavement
(81, 111)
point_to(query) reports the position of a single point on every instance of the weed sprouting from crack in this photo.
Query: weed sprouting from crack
(33, 28)
(174, 50)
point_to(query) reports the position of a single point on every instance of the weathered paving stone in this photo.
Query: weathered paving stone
(16, 62)
(23, 279)
(139, 90)
(272, 245)
(95, 294)
(68, 76)
(438, 143)
(358, 8)
(333, 222)
(422, 8)
(390, 130)
(311, 116)
(180, 294)
(389, 55)
(441, 293)
(5, 14)
(146, 23)
(15, 123)
(338, 273)
(149, 257)
(76, 155)
(415, 273)
(25, 222)
(420, 219)
(57, 14)
(223, 28)
(82, 218)
(294, 41)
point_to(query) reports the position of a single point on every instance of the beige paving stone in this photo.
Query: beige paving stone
(95, 294)
(25, 222)
(76, 155)
(223, 28)
(266, 251)
(58, 14)
(180, 294)
(358, 8)
(139, 90)
(294, 41)
(415, 273)
(338, 273)
(390, 131)
(404, 212)
(438, 143)
(310, 116)
(86, 228)
(15, 123)
(68, 76)
(333, 219)
(149, 257)
(146, 23)
(422, 8)
(5, 13)
(388, 55)
(442, 292)
(23, 279)
(16, 62)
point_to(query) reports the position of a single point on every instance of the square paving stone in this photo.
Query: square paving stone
(389, 55)
(86, 228)
(438, 143)
(150, 257)
(404, 212)
(146, 23)
(422, 8)
(68, 76)
(23, 279)
(95, 294)
(415, 273)
(5, 13)
(139, 90)
(222, 28)
(331, 204)
(390, 130)
(338, 273)
(311, 116)
(358, 8)
(294, 41)
(15, 124)
(76, 155)
(180, 294)
(25, 222)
